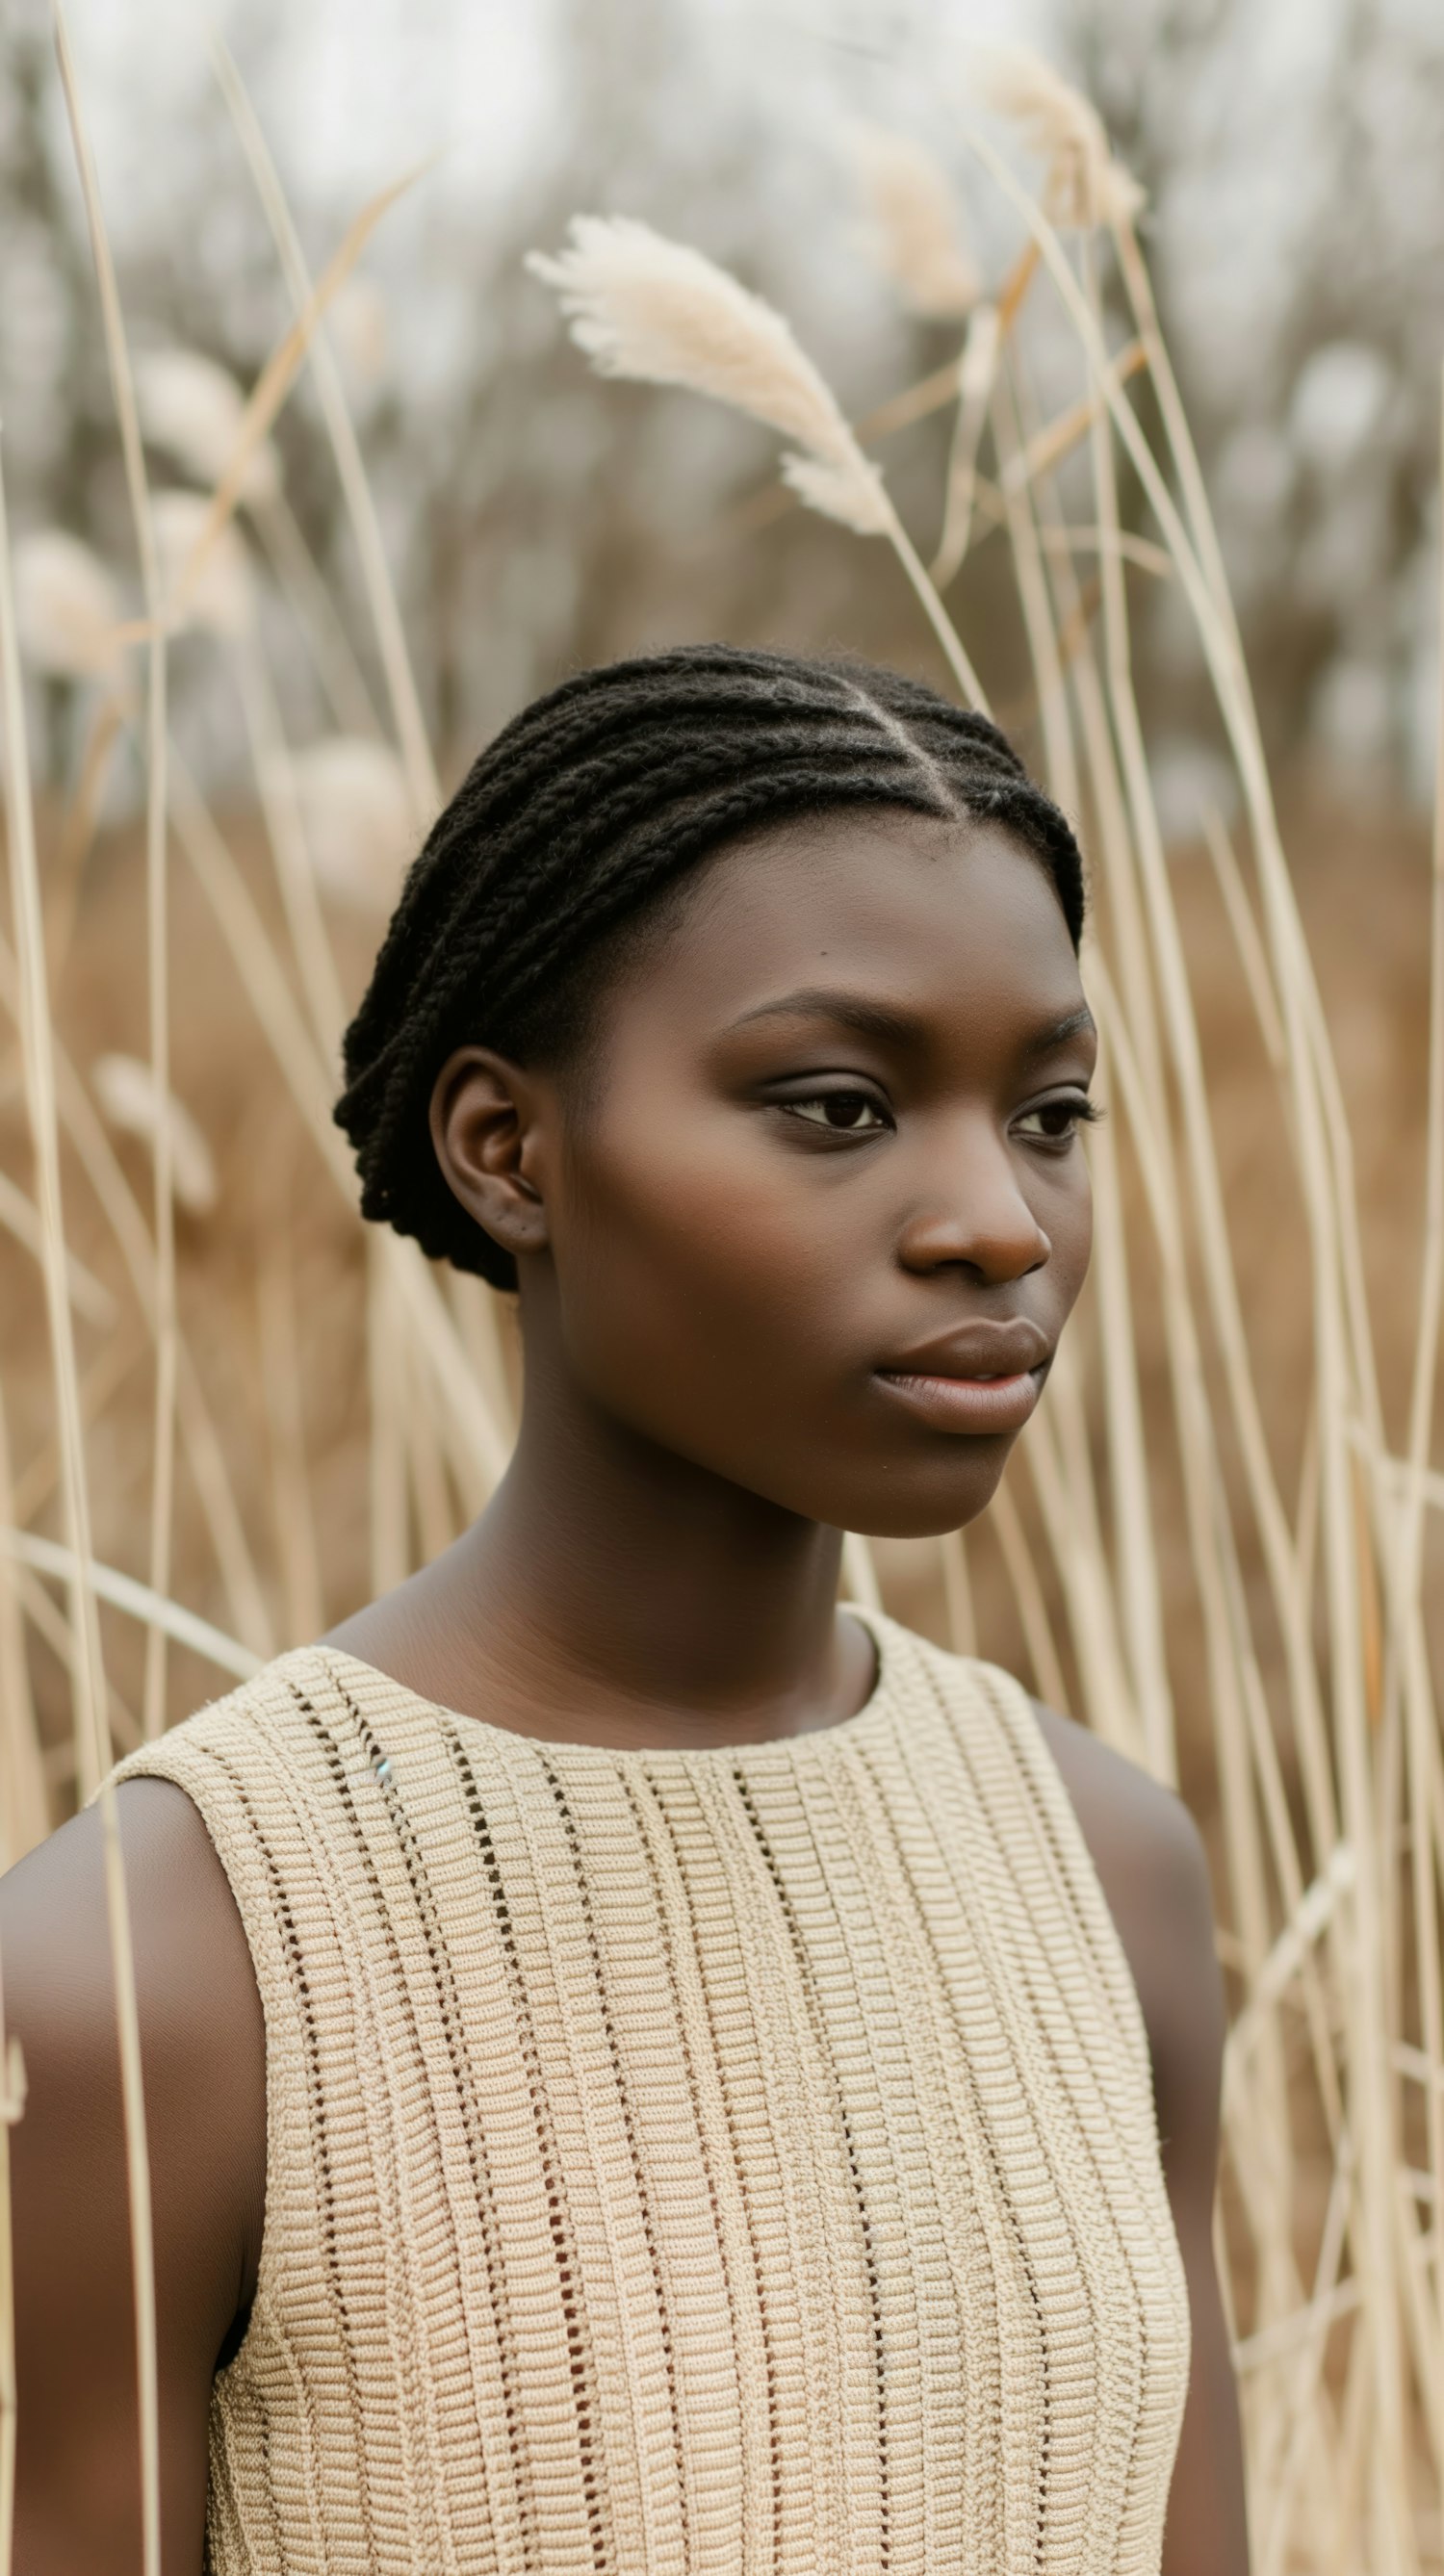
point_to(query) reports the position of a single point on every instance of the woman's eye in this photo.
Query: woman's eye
(1054, 1122)
(848, 1113)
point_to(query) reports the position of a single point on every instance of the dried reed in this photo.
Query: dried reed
(656, 310)
(1228, 1594)
(917, 225)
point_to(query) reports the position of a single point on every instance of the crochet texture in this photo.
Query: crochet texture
(736, 2161)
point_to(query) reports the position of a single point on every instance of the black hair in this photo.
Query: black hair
(584, 811)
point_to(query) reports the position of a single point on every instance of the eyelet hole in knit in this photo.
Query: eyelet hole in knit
(628, 2124)
(864, 2220)
(516, 1996)
(578, 2368)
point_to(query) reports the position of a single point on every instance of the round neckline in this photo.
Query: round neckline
(373, 1685)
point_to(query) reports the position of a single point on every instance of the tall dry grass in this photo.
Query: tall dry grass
(1218, 1542)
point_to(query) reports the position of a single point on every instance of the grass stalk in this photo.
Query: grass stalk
(280, 805)
(92, 1731)
(1420, 1713)
(24, 1806)
(380, 590)
(122, 1592)
(977, 367)
(1059, 760)
(1313, 1603)
(1212, 1227)
(1043, 1656)
(954, 654)
(958, 1593)
(297, 1551)
(1135, 1557)
(386, 1451)
(82, 816)
(85, 1135)
(298, 575)
(157, 964)
(12, 2105)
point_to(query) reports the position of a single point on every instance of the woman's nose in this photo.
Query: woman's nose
(978, 1221)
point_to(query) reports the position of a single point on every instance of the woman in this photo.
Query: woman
(647, 2069)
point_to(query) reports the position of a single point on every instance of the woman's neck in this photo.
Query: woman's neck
(613, 1593)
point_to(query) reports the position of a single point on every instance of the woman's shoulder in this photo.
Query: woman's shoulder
(1144, 1847)
(185, 1934)
(246, 1754)
(1131, 1820)
(251, 1706)
(1153, 1868)
(1144, 1843)
(202, 2042)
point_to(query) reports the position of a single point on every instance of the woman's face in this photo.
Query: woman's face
(815, 1209)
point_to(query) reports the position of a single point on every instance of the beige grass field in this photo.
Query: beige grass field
(1219, 1543)
(273, 1279)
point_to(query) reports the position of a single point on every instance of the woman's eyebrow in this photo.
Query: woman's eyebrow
(894, 1025)
(1075, 1024)
(846, 1010)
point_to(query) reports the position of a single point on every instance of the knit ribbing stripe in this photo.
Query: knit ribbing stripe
(686, 2163)
(581, 2360)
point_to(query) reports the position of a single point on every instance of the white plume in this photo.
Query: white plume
(916, 225)
(653, 309)
(127, 1093)
(66, 607)
(192, 408)
(222, 595)
(1086, 185)
(357, 819)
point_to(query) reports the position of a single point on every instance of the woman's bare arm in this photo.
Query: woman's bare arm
(203, 2051)
(1154, 1873)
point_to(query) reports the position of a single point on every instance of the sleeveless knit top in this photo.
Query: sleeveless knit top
(735, 2162)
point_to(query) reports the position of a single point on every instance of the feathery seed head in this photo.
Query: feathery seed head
(915, 223)
(979, 362)
(357, 819)
(127, 1093)
(1086, 185)
(66, 607)
(657, 311)
(222, 595)
(192, 408)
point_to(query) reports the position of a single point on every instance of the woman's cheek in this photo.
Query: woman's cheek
(700, 1272)
(1071, 1228)
(709, 1191)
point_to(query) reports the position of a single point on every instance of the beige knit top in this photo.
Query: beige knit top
(738, 2161)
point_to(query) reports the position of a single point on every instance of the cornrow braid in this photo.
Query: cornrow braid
(586, 809)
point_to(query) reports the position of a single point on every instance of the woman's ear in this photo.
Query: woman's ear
(485, 1129)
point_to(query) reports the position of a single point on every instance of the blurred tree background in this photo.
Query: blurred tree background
(536, 519)
(334, 1405)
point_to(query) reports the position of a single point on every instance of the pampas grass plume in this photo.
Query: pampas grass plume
(66, 607)
(126, 1091)
(356, 817)
(192, 408)
(1086, 185)
(222, 595)
(915, 224)
(655, 310)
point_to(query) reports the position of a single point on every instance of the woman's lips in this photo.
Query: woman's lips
(976, 1404)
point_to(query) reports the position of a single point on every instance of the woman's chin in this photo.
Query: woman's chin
(909, 1505)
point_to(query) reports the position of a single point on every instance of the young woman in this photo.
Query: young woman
(647, 2070)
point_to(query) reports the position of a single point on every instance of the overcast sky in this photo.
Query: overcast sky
(1298, 207)
(367, 85)
(357, 88)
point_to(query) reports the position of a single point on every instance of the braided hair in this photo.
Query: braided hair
(586, 810)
